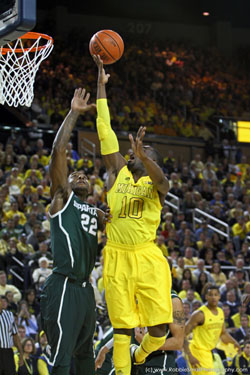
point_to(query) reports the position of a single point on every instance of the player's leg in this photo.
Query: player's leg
(59, 323)
(121, 353)
(153, 340)
(84, 351)
(154, 300)
(120, 273)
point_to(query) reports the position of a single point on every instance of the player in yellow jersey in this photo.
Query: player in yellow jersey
(137, 277)
(207, 325)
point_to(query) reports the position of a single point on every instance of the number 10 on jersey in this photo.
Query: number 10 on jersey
(132, 208)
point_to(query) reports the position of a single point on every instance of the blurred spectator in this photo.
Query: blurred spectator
(229, 285)
(218, 276)
(160, 241)
(185, 286)
(12, 306)
(33, 238)
(203, 229)
(240, 230)
(30, 362)
(13, 211)
(232, 302)
(201, 282)
(40, 274)
(27, 320)
(33, 305)
(41, 344)
(180, 267)
(187, 275)
(21, 332)
(4, 287)
(71, 152)
(241, 360)
(190, 298)
(201, 268)
(229, 323)
(42, 252)
(187, 310)
(237, 317)
(243, 331)
(24, 247)
(189, 259)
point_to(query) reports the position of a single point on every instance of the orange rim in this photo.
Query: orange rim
(29, 35)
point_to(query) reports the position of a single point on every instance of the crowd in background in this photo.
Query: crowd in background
(171, 87)
(186, 86)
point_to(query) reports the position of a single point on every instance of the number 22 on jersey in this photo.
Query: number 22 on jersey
(89, 226)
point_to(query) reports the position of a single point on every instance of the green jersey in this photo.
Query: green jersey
(74, 239)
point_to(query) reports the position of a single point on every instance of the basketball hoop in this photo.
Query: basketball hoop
(19, 64)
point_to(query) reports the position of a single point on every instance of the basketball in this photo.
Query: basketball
(108, 44)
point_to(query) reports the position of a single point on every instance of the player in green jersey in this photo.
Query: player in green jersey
(67, 301)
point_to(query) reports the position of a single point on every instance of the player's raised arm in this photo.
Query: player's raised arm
(150, 163)
(58, 164)
(113, 160)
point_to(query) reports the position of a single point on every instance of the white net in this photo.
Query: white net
(18, 68)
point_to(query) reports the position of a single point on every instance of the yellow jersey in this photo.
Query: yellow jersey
(135, 208)
(206, 336)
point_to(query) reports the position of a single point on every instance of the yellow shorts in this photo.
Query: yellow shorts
(205, 358)
(137, 281)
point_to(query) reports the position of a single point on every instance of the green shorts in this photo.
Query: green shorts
(68, 319)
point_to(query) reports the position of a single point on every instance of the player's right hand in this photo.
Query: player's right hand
(102, 76)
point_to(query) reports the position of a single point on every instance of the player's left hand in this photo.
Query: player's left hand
(80, 100)
(137, 144)
(237, 346)
(100, 358)
(107, 216)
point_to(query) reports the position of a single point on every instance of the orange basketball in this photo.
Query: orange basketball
(108, 44)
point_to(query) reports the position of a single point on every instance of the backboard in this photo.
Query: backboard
(16, 18)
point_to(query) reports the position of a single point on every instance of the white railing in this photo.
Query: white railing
(222, 223)
(171, 204)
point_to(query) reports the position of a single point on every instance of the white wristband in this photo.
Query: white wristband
(110, 344)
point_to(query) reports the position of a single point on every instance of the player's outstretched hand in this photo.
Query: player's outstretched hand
(102, 76)
(80, 101)
(137, 144)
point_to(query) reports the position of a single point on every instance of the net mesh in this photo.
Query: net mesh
(18, 68)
